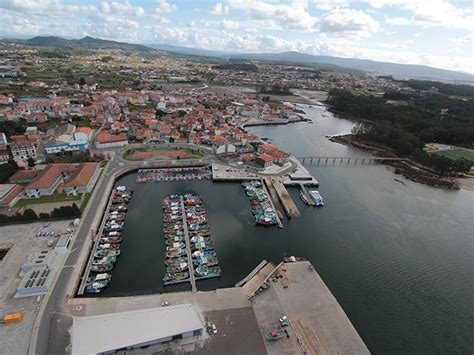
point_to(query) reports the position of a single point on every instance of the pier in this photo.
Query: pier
(261, 276)
(252, 274)
(285, 199)
(188, 247)
(344, 161)
(306, 194)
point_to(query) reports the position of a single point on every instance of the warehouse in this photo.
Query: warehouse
(134, 329)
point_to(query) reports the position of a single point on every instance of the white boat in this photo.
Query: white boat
(316, 196)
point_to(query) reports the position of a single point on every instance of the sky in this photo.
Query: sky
(437, 33)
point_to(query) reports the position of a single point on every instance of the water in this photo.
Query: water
(398, 258)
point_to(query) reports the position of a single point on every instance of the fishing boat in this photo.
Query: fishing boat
(202, 246)
(177, 268)
(174, 240)
(107, 247)
(204, 270)
(203, 254)
(104, 277)
(174, 262)
(104, 253)
(102, 268)
(105, 260)
(110, 240)
(175, 253)
(198, 239)
(303, 198)
(176, 246)
(176, 276)
(275, 334)
(96, 287)
(211, 261)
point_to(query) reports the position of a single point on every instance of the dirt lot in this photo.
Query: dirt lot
(161, 153)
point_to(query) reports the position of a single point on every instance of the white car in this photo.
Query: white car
(214, 329)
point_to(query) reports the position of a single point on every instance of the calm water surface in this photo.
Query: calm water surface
(398, 258)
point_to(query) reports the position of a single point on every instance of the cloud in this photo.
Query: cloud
(349, 22)
(229, 25)
(330, 5)
(219, 9)
(396, 45)
(121, 9)
(467, 39)
(439, 13)
(397, 21)
(260, 14)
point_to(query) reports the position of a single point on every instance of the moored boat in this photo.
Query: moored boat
(275, 334)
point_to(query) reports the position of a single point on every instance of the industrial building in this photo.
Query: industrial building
(134, 329)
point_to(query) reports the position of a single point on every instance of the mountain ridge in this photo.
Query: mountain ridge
(385, 68)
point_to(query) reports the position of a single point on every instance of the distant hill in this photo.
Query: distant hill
(387, 68)
(86, 43)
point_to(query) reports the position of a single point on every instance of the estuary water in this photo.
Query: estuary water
(398, 256)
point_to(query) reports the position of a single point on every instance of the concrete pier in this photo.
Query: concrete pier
(285, 199)
(188, 248)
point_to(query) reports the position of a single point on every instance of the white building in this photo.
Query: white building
(134, 329)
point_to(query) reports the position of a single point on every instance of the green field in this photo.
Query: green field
(54, 198)
(456, 153)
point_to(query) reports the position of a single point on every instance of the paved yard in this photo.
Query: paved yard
(21, 240)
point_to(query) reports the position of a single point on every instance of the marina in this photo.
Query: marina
(190, 253)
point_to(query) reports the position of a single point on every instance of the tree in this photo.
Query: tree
(29, 215)
(31, 162)
(82, 81)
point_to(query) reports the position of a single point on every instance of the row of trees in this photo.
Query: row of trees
(406, 128)
(29, 215)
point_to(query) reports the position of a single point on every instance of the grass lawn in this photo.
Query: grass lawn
(456, 153)
(56, 197)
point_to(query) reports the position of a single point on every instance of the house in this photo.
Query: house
(106, 140)
(23, 176)
(9, 194)
(264, 160)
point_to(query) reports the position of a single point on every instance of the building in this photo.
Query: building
(22, 151)
(4, 155)
(10, 194)
(123, 331)
(46, 182)
(82, 179)
(67, 143)
(264, 160)
(106, 140)
(76, 179)
(23, 176)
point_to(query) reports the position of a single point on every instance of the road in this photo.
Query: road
(53, 332)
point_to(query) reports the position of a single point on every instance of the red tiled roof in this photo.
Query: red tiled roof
(10, 196)
(46, 177)
(106, 137)
(266, 157)
(82, 174)
(24, 175)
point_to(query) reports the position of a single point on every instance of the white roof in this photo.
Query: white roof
(107, 332)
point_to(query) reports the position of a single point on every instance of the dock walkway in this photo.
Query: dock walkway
(258, 279)
(188, 247)
(285, 199)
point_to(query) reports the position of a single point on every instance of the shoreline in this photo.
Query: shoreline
(408, 169)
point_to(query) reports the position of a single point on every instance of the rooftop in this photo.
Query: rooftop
(107, 332)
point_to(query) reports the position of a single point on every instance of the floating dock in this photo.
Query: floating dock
(254, 282)
(252, 274)
(285, 199)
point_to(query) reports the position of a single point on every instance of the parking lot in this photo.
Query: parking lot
(20, 240)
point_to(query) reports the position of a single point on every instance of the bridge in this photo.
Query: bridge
(346, 161)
